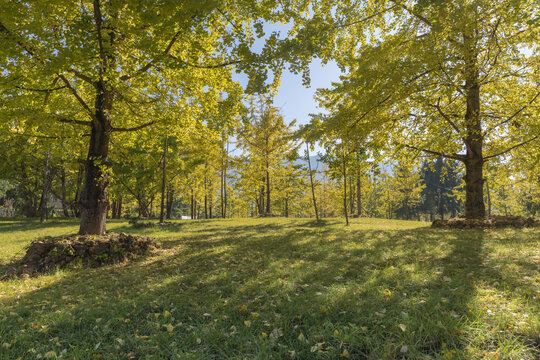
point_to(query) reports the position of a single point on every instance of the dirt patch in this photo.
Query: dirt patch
(490, 222)
(87, 250)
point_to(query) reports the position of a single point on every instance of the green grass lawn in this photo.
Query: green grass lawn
(282, 289)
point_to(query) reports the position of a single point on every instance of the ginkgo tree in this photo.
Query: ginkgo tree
(457, 79)
(98, 64)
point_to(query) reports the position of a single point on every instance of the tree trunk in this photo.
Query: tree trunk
(311, 181)
(75, 208)
(192, 210)
(474, 190)
(261, 200)
(359, 193)
(223, 183)
(94, 203)
(225, 190)
(170, 202)
(474, 162)
(205, 198)
(163, 178)
(210, 194)
(345, 193)
(505, 200)
(64, 201)
(43, 203)
(286, 207)
(117, 208)
(488, 197)
(351, 195)
(120, 207)
(267, 190)
(441, 204)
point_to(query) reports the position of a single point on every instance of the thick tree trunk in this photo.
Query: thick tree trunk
(286, 207)
(93, 202)
(474, 189)
(474, 162)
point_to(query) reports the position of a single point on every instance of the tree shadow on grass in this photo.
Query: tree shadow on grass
(222, 290)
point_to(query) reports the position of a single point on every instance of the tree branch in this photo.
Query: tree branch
(77, 96)
(78, 122)
(81, 76)
(151, 62)
(449, 156)
(367, 112)
(445, 117)
(41, 90)
(510, 148)
(99, 20)
(134, 128)
(513, 115)
(418, 16)
(29, 50)
(366, 18)
(207, 66)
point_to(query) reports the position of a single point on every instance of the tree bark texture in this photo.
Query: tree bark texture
(93, 202)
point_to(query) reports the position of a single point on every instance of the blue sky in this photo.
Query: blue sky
(294, 99)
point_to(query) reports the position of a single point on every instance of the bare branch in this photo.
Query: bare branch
(510, 149)
(134, 128)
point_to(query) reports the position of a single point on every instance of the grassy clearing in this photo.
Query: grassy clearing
(280, 288)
